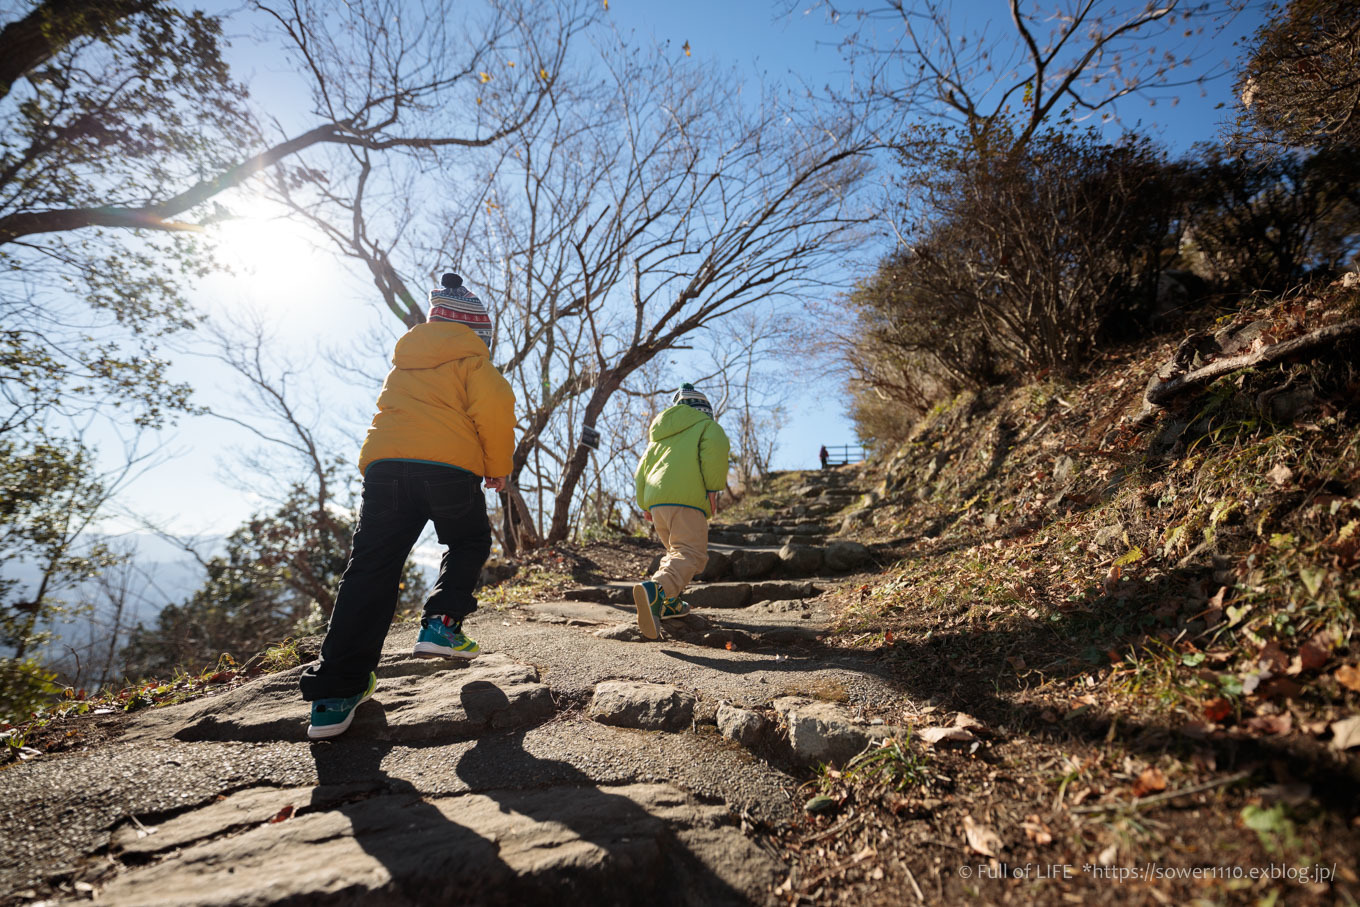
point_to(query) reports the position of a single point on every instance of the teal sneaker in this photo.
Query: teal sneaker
(440, 640)
(674, 607)
(331, 717)
(649, 598)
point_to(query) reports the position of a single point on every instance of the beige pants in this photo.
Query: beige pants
(684, 532)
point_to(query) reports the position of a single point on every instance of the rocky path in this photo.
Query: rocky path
(575, 760)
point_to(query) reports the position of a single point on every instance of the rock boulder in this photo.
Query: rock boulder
(648, 706)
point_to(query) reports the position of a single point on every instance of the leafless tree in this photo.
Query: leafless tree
(123, 116)
(383, 75)
(296, 468)
(632, 216)
(761, 362)
(119, 594)
(976, 67)
(714, 202)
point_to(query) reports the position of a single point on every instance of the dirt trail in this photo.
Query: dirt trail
(769, 749)
(574, 758)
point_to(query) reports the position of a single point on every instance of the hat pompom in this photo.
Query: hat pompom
(455, 302)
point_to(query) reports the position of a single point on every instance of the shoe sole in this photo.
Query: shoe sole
(646, 622)
(433, 650)
(674, 616)
(335, 730)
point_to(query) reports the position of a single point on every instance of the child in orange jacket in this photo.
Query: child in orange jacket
(445, 421)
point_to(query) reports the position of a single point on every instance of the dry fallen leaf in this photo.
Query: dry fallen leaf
(1349, 677)
(1217, 710)
(1272, 657)
(936, 736)
(981, 838)
(1036, 831)
(282, 814)
(968, 722)
(1112, 578)
(1016, 662)
(1150, 780)
(1346, 733)
(1314, 654)
(1270, 724)
(1279, 688)
(1281, 475)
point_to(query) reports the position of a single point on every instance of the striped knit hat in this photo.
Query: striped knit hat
(455, 302)
(691, 397)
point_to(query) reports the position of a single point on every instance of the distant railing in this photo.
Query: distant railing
(843, 454)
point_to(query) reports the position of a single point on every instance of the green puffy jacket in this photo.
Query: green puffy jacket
(686, 459)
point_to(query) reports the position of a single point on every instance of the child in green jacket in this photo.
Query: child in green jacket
(678, 480)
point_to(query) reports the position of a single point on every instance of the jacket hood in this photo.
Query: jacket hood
(675, 420)
(432, 344)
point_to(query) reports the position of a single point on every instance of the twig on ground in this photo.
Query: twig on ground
(1162, 798)
(138, 823)
(835, 829)
(916, 889)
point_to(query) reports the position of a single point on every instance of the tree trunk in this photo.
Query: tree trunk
(610, 382)
(28, 43)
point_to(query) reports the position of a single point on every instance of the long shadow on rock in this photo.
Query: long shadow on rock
(529, 831)
(812, 657)
(667, 851)
(425, 856)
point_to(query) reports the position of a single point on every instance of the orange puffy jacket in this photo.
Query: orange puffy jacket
(444, 403)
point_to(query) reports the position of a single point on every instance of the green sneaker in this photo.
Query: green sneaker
(444, 640)
(331, 717)
(674, 607)
(649, 598)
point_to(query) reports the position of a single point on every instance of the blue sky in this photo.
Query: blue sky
(313, 302)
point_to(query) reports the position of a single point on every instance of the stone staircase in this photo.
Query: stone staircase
(761, 583)
(572, 761)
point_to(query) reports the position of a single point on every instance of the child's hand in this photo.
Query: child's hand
(647, 515)
(497, 483)
(713, 502)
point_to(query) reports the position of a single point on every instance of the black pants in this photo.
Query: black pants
(399, 497)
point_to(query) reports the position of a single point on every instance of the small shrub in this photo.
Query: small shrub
(25, 687)
(1300, 86)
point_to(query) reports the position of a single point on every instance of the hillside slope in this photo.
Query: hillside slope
(1155, 610)
(1054, 649)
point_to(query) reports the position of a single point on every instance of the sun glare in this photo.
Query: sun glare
(270, 255)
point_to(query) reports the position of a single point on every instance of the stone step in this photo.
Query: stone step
(617, 592)
(739, 595)
(415, 705)
(582, 613)
(796, 559)
(614, 601)
(759, 526)
(728, 544)
(745, 538)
